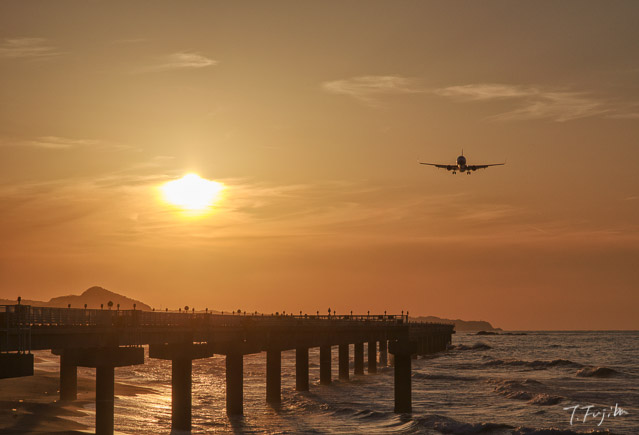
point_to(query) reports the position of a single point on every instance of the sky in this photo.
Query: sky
(313, 116)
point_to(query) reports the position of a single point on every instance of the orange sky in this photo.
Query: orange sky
(313, 115)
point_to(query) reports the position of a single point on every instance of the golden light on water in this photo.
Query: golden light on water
(192, 193)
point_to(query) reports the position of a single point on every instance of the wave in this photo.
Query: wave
(499, 333)
(537, 364)
(544, 399)
(476, 346)
(529, 390)
(344, 411)
(553, 431)
(447, 425)
(597, 372)
(429, 376)
(512, 390)
(367, 414)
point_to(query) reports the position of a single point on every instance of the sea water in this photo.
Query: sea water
(525, 383)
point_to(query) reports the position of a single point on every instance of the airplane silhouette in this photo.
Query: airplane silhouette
(461, 165)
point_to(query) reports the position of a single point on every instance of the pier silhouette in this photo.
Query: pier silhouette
(105, 339)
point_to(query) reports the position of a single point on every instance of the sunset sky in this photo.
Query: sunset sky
(313, 115)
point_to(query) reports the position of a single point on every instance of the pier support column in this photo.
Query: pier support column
(301, 369)
(343, 362)
(359, 358)
(372, 356)
(383, 353)
(104, 360)
(274, 376)
(68, 379)
(325, 365)
(104, 379)
(181, 356)
(403, 393)
(402, 351)
(181, 394)
(234, 383)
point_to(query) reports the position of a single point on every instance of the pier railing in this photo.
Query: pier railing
(26, 316)
(14, 321)
(25, 327)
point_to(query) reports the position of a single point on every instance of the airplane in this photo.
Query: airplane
(461, 165)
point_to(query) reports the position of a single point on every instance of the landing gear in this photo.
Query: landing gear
(468, 173)
(454, 172)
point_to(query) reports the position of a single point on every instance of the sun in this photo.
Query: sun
(192, 193)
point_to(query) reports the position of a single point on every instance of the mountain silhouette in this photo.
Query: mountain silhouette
(93, 297)
(460, 325)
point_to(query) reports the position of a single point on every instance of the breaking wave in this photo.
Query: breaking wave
(544, 399)
(529, 390)
(597, 372)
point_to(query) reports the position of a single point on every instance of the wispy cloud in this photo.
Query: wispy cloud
(533, 102)
(485, 91)
(526, 102)
(489, 213)
(59, 143)
(625, 115)
(27, 48)
(368, 89)
(180, 60)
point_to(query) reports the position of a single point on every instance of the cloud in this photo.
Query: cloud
(558, 106)
(625, 115)
(180, 60)
(527, 102)
(60, 143)
(27, 48)
(368, 89)
(489, 213)
(485, 91)
(533, 102)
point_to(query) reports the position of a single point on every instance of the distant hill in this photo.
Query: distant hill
(93, 297)
(460, 325)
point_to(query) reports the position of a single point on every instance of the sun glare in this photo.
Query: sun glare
(192, 192)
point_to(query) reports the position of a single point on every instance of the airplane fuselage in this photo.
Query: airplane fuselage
(461, 164)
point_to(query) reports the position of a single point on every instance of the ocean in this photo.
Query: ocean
(489, 384)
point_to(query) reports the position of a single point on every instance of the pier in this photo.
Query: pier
(105, 339)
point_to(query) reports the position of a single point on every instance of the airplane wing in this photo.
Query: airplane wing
(447, 167)
(475, 167)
